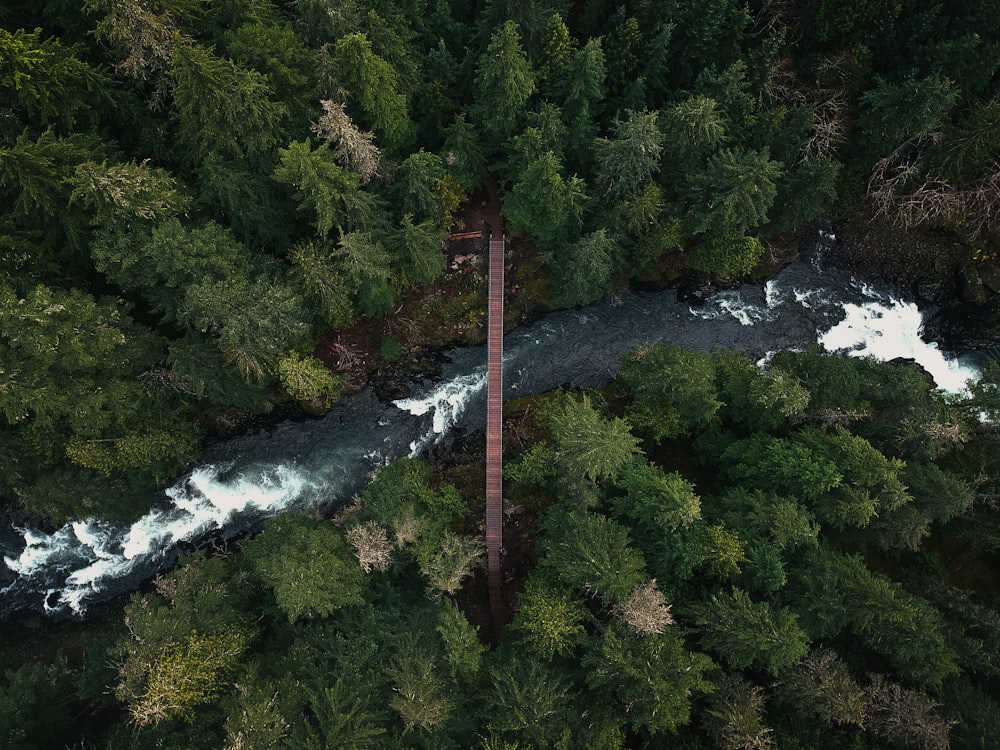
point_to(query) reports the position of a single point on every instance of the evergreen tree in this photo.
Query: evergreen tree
(544, 204)
(632, 158)
(581, 273)
(307, 567)
(223, 108)
(651, 677)
(504, 83)
(673, 390)
(733, 193)
(747, 634)
(373, 85)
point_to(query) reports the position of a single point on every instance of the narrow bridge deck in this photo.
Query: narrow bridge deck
(494, 423)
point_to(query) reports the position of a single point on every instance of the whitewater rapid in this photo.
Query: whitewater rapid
(325, 462)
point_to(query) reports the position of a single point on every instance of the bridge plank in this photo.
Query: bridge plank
(494, 427)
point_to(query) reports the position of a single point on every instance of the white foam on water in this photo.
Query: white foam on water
(729, 304)
(892, 329)
(807, 297)
(772, 295)
(446, 402)
(40, 550)
(91, 553)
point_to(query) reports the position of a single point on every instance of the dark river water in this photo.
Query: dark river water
(326, 461)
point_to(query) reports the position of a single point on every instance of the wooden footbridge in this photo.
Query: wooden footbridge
(494, 427)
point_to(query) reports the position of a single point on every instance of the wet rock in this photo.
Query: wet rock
(694, 291)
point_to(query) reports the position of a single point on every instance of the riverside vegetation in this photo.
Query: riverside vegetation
(710, 555)
(200, 198)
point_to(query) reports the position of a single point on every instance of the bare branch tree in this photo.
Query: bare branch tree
(905, 717)
(646, 610)
(356, 148)
(821, 683)
(829, 128)
(736, 718)
(371, 546)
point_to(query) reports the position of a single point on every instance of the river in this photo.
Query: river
(324, 462)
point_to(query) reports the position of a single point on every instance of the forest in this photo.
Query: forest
(212, 211)
(803, 557)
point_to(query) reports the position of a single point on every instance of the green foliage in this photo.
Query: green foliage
(252, 322)
(308, 379)
(186, 675)
(747, 633)
(373, 84)
(977, 715)
(694, 128)
(758, 400)
(455, 559)
(937, 493)
(463, 651)
(504, 81)
(870, 482)
(71, 368)
(583, 93)
(419, 695)
(222, 107)
(528, 701)
(38, 171)
(549, 619)
(420, 248)
(323, 188)
(655, 233)
(307, 566)
(836, 21)
(804, 192)
(781, 466)
(733, 193)
(172, 177)
(895, 112)
(390, 349)
(121, 194)
(782, 521)
(342, 715)
(971, 143)
(275, 50)
(736, 717)
(721, 551)
(463, 152)
(366, 266)
(544, 204)
(590, 446)
(254, 719)
(726, 254)
(833, 382)
(314, 268)
(246, 199)
(173, 258)
(820, 685)
(44, 81)
(184, 644)
(33, 714)
(415, 183)
(581, 272)
(628, 161)
(593, 554)
(557, 51)
(836, 591)
(673, 390)
(401, 499)
(535, 466)
(656, 498)
(653, 676)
